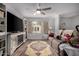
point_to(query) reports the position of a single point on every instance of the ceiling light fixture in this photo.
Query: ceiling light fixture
(37, 12)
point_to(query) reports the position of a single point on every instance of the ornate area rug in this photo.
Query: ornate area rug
(38, 48)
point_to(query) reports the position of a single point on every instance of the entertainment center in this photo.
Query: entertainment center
(16, 34)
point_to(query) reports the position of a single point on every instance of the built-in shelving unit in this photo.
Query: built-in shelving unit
(3, 27)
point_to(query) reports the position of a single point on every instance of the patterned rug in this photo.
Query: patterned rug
(38, 48)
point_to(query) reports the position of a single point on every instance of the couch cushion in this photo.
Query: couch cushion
(68, 32)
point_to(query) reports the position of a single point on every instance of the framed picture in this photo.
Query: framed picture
(2, 14)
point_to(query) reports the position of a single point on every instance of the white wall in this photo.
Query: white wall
(70, 22)
(51, 22)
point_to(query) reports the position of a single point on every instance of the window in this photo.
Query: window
(36, 27)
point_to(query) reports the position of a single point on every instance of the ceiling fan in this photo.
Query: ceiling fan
(41, 10)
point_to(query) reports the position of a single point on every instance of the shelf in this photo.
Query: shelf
(2, 48)
(2, 9)
(2, 40)
(2, 18)
(2, 25)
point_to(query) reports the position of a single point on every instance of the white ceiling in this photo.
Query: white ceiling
(27, 9)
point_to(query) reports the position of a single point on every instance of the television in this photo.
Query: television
(14, 24)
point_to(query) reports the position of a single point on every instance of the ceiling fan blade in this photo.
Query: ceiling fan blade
(43, 13)
(46, 8)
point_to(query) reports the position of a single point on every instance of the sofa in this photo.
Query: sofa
(56, 42)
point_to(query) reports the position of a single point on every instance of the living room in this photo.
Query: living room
(38, 29)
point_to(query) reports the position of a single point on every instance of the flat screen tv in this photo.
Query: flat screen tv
(14, 24)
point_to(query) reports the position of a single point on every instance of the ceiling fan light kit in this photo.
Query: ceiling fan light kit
(40, 11)
(37, 12)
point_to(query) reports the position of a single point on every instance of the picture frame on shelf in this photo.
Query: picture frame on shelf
(2, 14)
